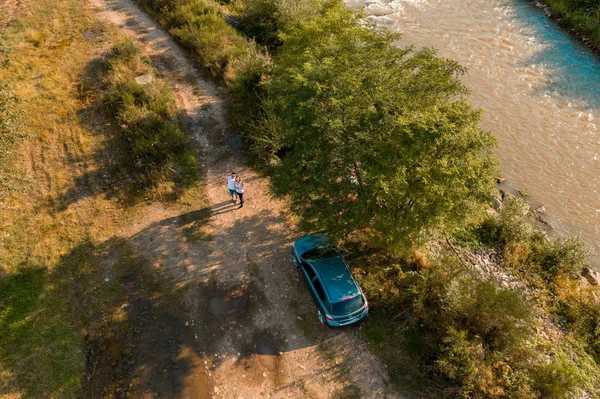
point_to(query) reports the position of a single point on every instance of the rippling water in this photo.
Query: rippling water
(539, 88)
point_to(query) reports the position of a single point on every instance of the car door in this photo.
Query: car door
(314, 284)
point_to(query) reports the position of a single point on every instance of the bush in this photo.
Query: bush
(517, 220)
(467, 329)
(559, 378)
(529, 249)
(579, 307)
(200, 26)
(560, 256)
(157, 149)
(124, 52)
(266, 21)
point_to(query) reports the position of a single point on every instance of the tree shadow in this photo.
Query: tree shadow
(138, 343)
(114, 175)
(102, 301)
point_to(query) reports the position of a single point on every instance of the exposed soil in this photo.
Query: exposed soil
(150, 354)
(254, 322)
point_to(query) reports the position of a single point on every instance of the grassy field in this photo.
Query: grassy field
(63, 201)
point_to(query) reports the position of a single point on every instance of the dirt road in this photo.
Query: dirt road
(254, 322)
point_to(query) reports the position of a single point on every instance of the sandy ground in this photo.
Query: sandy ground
(255, 330)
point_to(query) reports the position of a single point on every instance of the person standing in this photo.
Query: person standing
(239, 190)
(231, 187)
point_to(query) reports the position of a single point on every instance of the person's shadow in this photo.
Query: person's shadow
(217, 209)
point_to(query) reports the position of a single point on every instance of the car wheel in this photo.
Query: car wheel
(321, 317)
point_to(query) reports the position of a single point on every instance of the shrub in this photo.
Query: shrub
(463, 359)
(157, 149)
(579, 306)
(517, 221)
(468, 329)
(559, 378)
(528, 249)
(124, 52)
(267, 21)
(200, 26)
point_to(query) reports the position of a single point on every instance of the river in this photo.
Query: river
(539, 89)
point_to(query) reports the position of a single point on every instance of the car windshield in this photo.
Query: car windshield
(320, 253)
(347, 306)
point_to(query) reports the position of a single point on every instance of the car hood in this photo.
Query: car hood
(312, 241)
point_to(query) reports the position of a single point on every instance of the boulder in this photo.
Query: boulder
(143, 79)
(592, 276)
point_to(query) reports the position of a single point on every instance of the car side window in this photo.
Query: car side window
(309, 270)
(319, 289)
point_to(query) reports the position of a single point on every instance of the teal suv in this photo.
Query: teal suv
(339, 299)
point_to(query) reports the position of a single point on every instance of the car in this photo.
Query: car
(340, 300)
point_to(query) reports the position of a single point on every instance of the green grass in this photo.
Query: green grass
(200, 26)
(583, 16)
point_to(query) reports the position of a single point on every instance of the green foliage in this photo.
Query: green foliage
(579, 307)
(559, 378)
(374, 136)
(474, 339)
(516, 220)
(156, 147)
(262, 20)
(581, 15)
(266, 21)
(527, 248)
(201, 27)
(496, 316)
(124, 52)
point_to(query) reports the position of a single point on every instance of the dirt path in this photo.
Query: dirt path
(255, 323)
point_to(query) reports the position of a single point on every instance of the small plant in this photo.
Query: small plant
(517, 221)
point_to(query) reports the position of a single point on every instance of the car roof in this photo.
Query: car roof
(336, 277)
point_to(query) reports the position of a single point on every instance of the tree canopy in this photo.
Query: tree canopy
(371, 136)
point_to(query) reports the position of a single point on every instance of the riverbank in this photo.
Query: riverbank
(579, 18)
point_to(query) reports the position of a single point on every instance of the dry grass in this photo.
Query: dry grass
(60, 207)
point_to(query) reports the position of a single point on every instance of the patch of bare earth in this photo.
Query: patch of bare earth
(254, 322)
(153, 356)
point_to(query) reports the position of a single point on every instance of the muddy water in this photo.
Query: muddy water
(540, 91)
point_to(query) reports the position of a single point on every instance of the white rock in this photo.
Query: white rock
(143, 79)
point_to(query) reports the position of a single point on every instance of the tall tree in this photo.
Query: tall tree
(375, 137)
